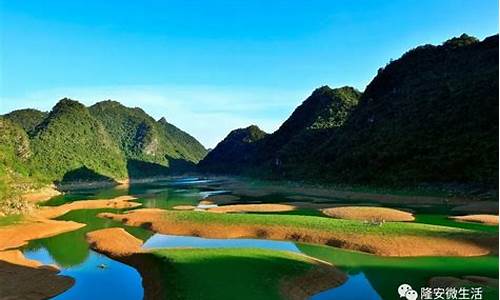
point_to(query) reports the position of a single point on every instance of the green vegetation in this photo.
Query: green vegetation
(210, 273)
(70, 139)
(27, 118)
(429, 117)
(387, 273)
(315, 223)
(10, 219)
(143, 139)
(235, 153)
(73, 143)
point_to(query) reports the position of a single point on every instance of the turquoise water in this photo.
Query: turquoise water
(368, 279)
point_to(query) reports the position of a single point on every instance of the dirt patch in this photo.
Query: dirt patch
(114, 241)
(23, 278)
(478, 207)
(485, 219)
(319, 279)
(184, 207)
(42, 194)
(14, 236)
(56, 211)
(367, 213)
(235, 208)
(380, 244)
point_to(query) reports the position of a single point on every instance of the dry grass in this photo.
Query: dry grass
(184, 207)
(379, 244)
(235, 208)
(114, 241)
(368, 213)
(480, 218)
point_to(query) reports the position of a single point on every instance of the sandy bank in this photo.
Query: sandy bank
(235, 208)
(379, 244)
(17, 235)
(319, 279)
(368, 213)
(50, 212)
(22, 278)
(480, 218)
(42, 194)
(184, 207)
(114, 241)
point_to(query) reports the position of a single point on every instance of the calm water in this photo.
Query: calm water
(370, 277)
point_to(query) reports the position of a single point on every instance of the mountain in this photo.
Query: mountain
(14, 153)
(235, 153)
(309, 125)
(70, 138)
(28, 118)
(430, 116)
(324, 110)
(142, 139)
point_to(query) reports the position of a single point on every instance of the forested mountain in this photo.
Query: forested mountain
(27, 118)
(140, 137)
(235, 153)
(430, 116)
(105, 142)
(323, 111)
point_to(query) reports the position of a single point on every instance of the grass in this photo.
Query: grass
(314, 223)
(387, 273)
(10, 219)
(228, 273)
(443, 220)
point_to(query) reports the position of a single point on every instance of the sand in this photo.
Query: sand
(319, 279)
(22, 278)
(114, 241)
(184, 207)
(480, 218)
(17, 235)
(368, 213)
(56, 211)
(235, 208)
(379, 244)
(40, 195)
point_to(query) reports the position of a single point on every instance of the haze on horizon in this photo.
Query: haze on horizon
(212, 67)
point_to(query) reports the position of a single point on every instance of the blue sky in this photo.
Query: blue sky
(212, 66)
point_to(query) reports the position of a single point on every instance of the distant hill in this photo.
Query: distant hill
(430, 116)
(27, 118)
(323, 111)
(141, 138)
(71, 138)
(235, 153)
(105, 142)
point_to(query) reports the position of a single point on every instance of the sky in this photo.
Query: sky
(212, 66)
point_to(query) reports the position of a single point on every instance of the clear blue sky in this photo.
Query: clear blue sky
(211, 66)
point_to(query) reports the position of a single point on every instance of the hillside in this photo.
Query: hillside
(142, 139)
(14, 153)
(235, 153)
(430, 116)
(324, 110)
(27, 118)
(70, 139)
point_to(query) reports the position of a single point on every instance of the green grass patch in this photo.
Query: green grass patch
(10, 219)
(387, 273)
(229, 273)
(315, 223)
